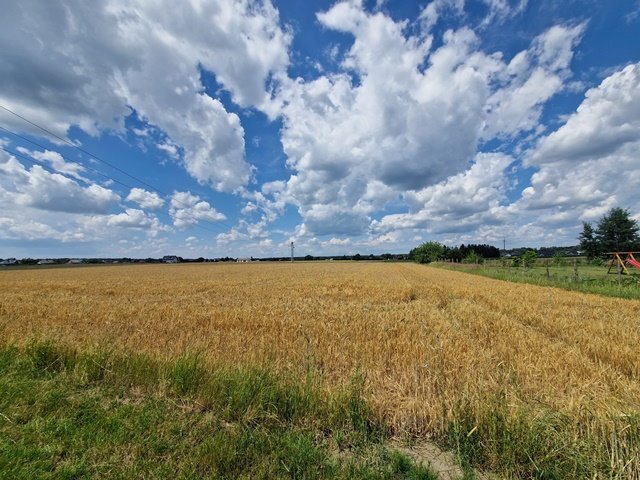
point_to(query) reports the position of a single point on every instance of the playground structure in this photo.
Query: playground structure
(621, 262)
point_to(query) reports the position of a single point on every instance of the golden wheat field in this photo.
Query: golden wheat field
(425, 340)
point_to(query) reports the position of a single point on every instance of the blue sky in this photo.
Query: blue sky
(233, 128)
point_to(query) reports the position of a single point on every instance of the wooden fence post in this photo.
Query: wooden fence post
(619, 274)
(546, 264)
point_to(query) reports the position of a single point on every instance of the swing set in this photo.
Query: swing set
(621, 262)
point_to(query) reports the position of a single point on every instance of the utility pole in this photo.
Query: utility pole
(292, 247)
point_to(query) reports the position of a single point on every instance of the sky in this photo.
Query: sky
(217, 128)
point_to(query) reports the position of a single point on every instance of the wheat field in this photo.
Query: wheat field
(426, 342)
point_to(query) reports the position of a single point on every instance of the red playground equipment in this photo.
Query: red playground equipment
(620, 262)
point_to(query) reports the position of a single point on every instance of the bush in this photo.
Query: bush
(473, 257)
(529, 258)
(427, 252)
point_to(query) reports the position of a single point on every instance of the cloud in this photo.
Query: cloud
(187, 209)
(462, 202)
(132, 218)
(327, 219)
(497, 11)
(434, 10)
(233, 236)
(554, 48)
(401, 117)
(100, 226)
(145, 199)
(634, 13)
(170, 148)
(40, 206)
(89, 65)
(393, 140)
(501, 10)
(57, 162)
(606, 121)
(531, 78)
(339, 241)
(397, 129)
(37, 188)
(249, 208)
(32, 230)
(590, 163)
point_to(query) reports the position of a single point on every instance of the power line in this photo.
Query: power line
(42, 146)
(62, 139)
(133, 177)
(50, 170)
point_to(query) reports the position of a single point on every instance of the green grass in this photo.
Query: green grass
(590, 279)
(65, 414)
(70, 414)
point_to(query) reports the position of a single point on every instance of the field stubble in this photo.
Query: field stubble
(437, 351)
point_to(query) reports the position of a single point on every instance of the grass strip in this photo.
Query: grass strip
(66, 414)
(70, 414)
(629, 288)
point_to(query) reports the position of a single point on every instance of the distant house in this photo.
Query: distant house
(46, 261)
(170, 259)
(244, 260)
(9, 261)
(75, 261)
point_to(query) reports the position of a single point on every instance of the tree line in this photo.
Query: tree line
(435, 251)
(616, 231)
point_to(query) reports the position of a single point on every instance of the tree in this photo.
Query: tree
(28, 261)
(589, 244)
(473, 257)
(529, 258)
(452, 254)
(558, 258)
(617, 231)
(427, 252)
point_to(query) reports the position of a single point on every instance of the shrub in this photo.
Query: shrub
(529, 258)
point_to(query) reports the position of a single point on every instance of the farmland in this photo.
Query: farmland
(517, 379)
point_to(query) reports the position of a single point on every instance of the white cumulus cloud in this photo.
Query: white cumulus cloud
(87, 65)
(40, 189)
(401, 119)
(187, 209)
(590, 163)
(145, 199)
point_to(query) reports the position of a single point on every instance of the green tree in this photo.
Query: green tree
(558, 258)
(617, 231)
(529, 258)
(589, 244)
(427, 252)
(473, 257)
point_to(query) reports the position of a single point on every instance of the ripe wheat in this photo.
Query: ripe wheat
(425, 341)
